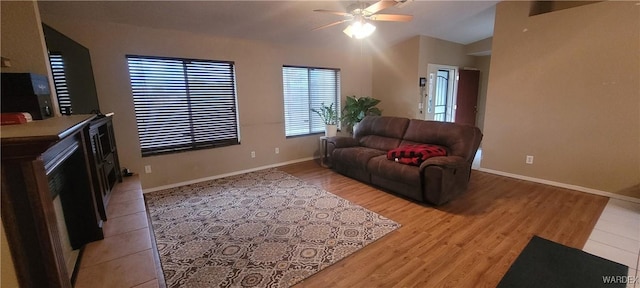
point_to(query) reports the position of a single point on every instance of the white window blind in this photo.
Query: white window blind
(60, 83)
(183, 104)
(306, 88)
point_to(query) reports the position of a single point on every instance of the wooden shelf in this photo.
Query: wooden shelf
(105, 160)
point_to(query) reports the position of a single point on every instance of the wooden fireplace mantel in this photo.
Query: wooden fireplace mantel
(29, 152)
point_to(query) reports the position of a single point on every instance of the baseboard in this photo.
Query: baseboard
(224, 175)
(562, 185)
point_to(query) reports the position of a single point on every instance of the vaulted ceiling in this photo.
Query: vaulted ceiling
(286, 22)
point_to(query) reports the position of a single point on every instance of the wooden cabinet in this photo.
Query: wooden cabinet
(41, 161)
(105, 160)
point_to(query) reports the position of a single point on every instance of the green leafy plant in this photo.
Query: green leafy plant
(355, 109)
(328, 114)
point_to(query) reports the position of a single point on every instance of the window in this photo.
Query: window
(306, 88)
(60, 83)
(183, 104)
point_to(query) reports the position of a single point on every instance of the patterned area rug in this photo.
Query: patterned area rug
(260, 229)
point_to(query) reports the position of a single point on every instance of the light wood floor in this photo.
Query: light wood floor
(469, 242)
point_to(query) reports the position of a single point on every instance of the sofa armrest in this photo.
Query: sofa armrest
(444, 161)
(444, 178)
(338, 142)
(342, 142)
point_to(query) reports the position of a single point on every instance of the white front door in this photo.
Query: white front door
(441, 97)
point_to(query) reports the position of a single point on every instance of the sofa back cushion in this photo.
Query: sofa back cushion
(381, 132)
(460, 140)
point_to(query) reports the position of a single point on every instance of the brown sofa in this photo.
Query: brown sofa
(437, 180)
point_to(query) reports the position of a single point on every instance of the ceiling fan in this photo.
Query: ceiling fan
(360, 13)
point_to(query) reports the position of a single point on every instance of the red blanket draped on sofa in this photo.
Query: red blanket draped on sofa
(415, 154)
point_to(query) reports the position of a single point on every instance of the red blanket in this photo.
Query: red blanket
(415, 154)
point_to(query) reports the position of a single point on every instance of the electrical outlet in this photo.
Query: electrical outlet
(277, 150)
(147, 169)
(253, 154)
(529, 159)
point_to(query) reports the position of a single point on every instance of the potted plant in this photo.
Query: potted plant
(329, 116)
(355, 109)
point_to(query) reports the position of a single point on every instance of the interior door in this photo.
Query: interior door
(467, 100)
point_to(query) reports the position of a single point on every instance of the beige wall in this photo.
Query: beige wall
(259, 87)
(441, 52)
(565, 88)
(22, 37)
(8, 275)
(438, 51)
(479, 48)
(395, 78)
(23, 43)
(396, 71)
(484, 64)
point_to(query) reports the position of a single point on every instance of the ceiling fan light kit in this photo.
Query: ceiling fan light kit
(359, 30)
(360, 14)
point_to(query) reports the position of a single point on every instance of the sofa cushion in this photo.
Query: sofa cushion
(356, 157)
(384, 168)
(415, 154)
(382, 133)
(379, 143)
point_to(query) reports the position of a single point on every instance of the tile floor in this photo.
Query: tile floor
(616, 236)
(125, 259)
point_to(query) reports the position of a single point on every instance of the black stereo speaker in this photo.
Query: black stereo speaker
(26, 92)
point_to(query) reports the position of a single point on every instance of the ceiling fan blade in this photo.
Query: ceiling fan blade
(329, 25)
(391, 17)
(378, 6)
(332, 12)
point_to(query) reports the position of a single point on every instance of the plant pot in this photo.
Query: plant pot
(330, 130)
(354, 128)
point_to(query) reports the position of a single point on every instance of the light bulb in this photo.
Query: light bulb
(359, 30)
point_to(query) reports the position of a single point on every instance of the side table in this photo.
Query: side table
(324, 160)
